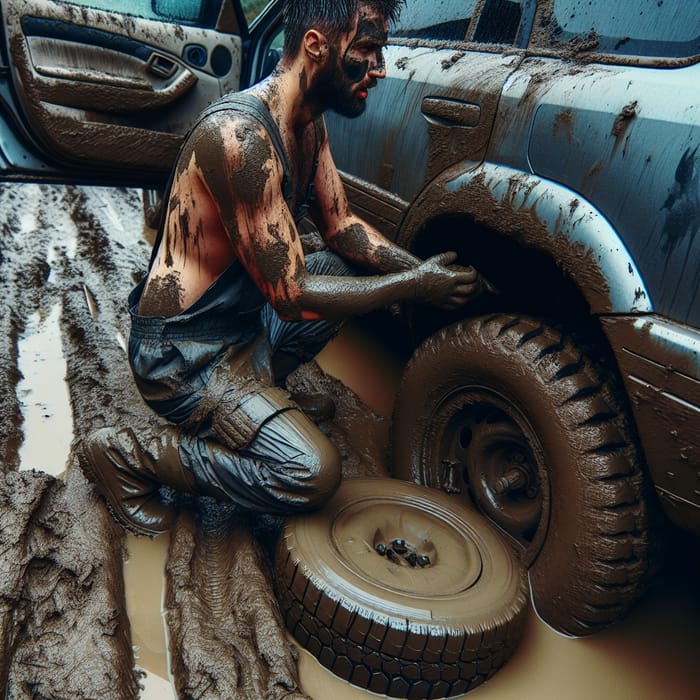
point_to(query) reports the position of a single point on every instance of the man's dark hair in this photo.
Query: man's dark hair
(332, 17)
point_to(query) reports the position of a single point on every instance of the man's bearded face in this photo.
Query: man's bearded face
(346, 82)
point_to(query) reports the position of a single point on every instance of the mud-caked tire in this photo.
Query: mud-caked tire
(508, 413)
(401, 590)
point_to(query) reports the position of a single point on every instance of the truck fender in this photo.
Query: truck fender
(542, 215)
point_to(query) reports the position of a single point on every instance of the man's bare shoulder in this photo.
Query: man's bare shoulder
(235, 146)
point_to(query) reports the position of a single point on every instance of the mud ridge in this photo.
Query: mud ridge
(227, 638)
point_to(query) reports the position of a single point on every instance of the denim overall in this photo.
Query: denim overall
(209, 369)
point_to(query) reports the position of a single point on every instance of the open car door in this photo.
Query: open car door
(104, 94)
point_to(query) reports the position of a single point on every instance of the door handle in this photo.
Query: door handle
(161, 65)
(448, 112)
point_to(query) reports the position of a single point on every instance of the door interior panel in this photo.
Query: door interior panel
(111, 91)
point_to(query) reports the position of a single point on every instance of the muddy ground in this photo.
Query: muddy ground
(74, 253)
(64, 631)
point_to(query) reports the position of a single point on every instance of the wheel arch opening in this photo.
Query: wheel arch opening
(528, 280)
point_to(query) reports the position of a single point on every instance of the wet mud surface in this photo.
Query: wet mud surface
(65, 632)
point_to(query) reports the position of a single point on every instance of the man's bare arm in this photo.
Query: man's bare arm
(348, 234)
(353, 238)
(247, 189)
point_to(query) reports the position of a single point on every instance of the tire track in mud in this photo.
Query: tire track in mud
(219, 649)
(63, 624)
(22, 273)
(64, 630)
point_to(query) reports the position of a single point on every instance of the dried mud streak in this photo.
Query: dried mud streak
(226, 635)
(20, 496)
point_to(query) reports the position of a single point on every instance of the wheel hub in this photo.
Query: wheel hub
(488, 451)
(397, 546)
(403, 553)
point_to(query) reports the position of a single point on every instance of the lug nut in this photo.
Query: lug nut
(399, 546)
(513, 480)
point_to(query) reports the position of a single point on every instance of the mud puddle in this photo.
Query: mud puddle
(67, 585)
(144, 579)
(44, 396)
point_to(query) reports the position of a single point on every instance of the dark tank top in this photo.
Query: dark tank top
(233, 292)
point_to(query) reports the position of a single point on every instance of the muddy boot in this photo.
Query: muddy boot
(128, 474)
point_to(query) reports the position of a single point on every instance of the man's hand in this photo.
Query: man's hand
(445, 285)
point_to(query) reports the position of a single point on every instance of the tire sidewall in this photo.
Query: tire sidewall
(499, 592)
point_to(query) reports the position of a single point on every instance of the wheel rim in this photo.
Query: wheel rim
(487, 450)
(366, 534)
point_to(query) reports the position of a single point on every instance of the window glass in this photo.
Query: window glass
(196, 12)
(499, 22)
(252, 8)
(440, 19)
(664, 28)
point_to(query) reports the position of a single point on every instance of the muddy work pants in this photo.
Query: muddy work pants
(240, 434)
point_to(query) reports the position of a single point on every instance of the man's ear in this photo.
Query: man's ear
(315, 45)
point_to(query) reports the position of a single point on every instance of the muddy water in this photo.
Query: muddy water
(43, 394)
(652, 655)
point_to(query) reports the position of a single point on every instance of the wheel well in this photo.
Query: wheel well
(528, 280)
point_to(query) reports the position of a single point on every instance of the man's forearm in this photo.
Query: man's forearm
(344, 297)
(365, 246)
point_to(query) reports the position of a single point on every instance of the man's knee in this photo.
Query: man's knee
(307, 464)
(323, 465)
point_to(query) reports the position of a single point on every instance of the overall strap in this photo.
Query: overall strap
(302, 210)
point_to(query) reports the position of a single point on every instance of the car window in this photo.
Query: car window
(499, 21)
(444, 19)
(197, 12)
(643, 28)
(252, 8)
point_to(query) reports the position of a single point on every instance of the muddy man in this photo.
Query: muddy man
(231, 303)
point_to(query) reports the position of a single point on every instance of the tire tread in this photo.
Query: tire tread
(616, 486)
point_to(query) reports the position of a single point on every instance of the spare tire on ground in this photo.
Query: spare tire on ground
(401, 590)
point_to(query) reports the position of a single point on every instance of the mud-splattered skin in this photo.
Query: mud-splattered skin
(350, 77)
(227, 199)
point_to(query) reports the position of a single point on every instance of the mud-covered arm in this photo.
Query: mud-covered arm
(355, 239)
(245, 183)
(345, 232)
